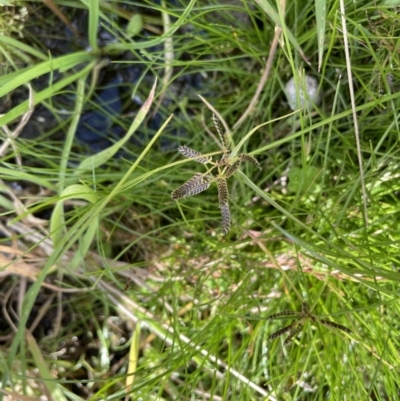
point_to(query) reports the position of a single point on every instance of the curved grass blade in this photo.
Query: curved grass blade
(192, 187)
(102, 157)
(57, 221)
(29, 73)
(24, 48)
(276, 18)
(32, 73)
(191, 153)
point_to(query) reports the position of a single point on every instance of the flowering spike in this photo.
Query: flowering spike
(192, 187)
(191, 153)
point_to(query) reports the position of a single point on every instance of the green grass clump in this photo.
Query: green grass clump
(112, 289)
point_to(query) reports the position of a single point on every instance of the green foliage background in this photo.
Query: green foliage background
(132, 256)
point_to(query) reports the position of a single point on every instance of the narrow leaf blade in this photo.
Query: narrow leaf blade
(320, 13)
(57, 221)
(102, 157)
(274, 16)
(133, 356)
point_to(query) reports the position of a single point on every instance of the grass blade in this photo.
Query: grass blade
(40, 96)
(320, 13)
(16, 44)
(93, 7)
(133, 357)
(45, 374)
(274, 16)
(30, 73)
(102, 157)
(57, 221)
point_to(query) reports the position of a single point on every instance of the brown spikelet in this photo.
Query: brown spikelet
(302, 316)
(242, 158)
(247, 158)
(282, 331)
(305, 309)
(218, 127)
(293, 332)
(199, 188)
(335, 325)
(223, 194)
(232, 168)
(284, 313)
(223, 197)
(188, 152)
(226, 218)
(193, 186)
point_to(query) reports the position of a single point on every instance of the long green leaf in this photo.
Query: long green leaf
(71, 132)
(94, 11)
(49, 382)
(44, 94)
(30, 73)
(16, 44)
(133, 357)
(9, 174)
(236, 149)
(326, 121)
(57, 221)
(320, 14)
